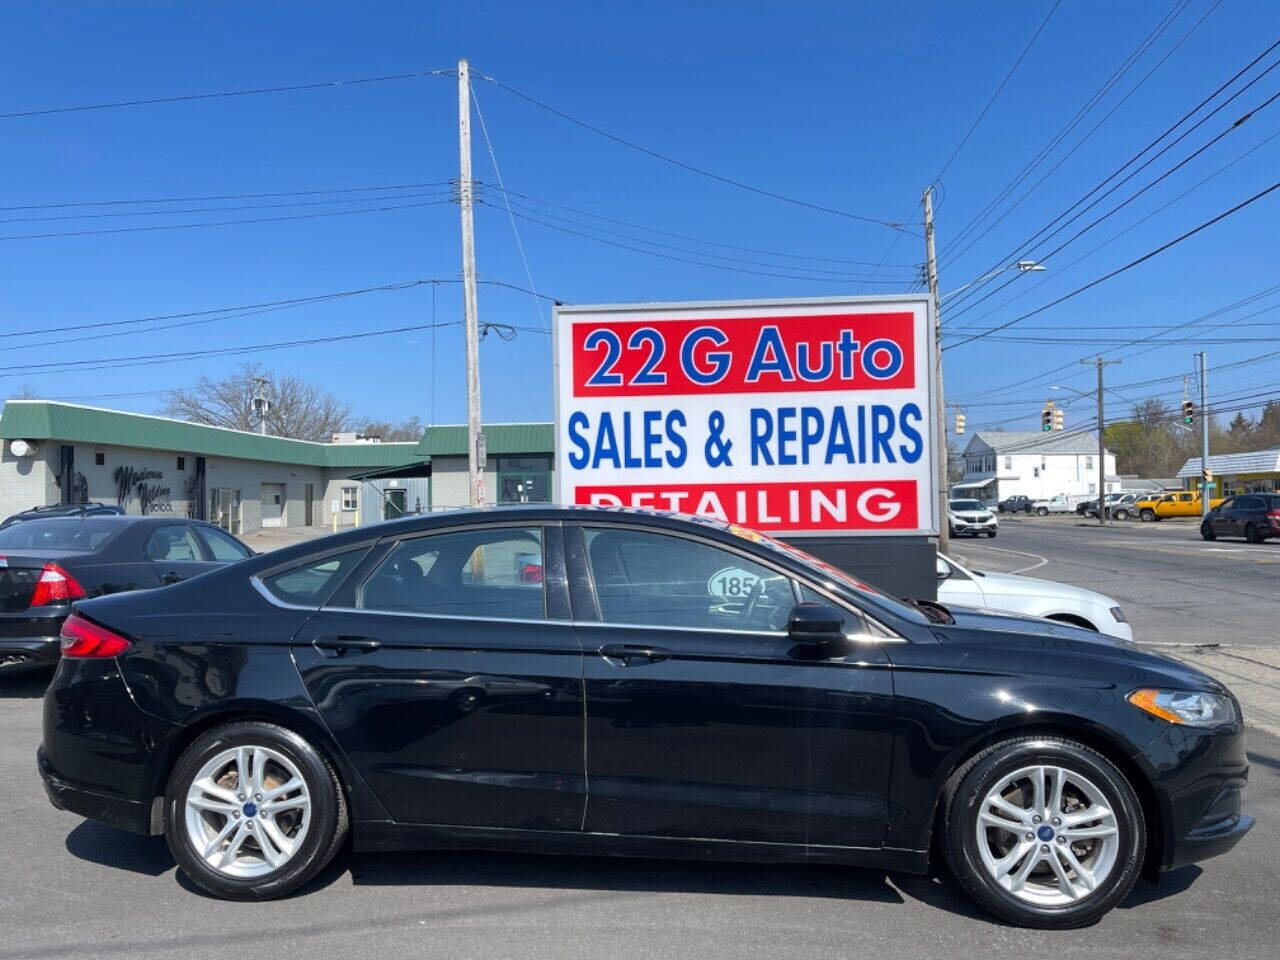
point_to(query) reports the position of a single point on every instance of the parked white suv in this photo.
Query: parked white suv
(971, 517)
(962, 587)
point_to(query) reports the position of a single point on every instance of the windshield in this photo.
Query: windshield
(966, 505)
(58, 533)
(864, 590)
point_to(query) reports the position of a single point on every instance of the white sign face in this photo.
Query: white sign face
(799, 417)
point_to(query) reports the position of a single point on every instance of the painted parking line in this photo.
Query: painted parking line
(1041, 561)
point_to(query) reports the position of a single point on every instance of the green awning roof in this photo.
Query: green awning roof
(500, 439)
(48, 420)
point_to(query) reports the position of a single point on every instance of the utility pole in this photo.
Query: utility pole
(475, 465)
(1102, 448)
(260, 403)
(1204, 436)
(944, 466)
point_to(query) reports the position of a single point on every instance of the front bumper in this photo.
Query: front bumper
(974, 526)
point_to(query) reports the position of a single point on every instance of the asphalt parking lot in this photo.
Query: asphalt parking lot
(76, 889)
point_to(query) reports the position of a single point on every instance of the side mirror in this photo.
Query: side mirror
(944, 571)
(815, 623)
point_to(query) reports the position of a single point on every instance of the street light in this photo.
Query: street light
(1022, 266)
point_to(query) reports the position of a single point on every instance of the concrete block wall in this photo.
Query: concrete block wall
(26, 482)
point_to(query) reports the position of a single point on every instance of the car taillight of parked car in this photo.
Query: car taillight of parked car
(55, 585)
(84, 639)
(1274, 517)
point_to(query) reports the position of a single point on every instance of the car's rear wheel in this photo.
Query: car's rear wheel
(1251, 533)
(253, 811)
(1206, 531)
(1043, 832)
(1042, 511)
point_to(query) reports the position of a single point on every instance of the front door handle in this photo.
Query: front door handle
(343, 646)
(171, 577)
(626, 654)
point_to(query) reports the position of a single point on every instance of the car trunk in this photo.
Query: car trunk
(18, 576)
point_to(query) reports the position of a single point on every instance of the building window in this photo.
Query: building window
(349, 498)
(524, 479)
(99, 458)
(1088, 464)
(182, 463)
(1008, 463)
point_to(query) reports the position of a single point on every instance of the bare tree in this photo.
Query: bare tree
(297, 409)
(27, 392)
(410, 429)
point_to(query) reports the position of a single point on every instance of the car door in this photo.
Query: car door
(704, 720)
(448, 671)
(1223, 518)
(176, 553)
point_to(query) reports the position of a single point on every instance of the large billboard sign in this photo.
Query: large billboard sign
(790, 416)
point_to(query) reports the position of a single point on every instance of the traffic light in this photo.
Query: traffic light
(1046, 419)
(1059, 418)
(1188, 412)
(959, 423)
(1208, 475)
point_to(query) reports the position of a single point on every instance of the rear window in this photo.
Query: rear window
(59, 533)
(309, 584)
(1272, 502)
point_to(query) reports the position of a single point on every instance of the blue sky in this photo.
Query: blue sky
(851, 106)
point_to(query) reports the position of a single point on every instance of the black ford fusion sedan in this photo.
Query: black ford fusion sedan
(582, 681)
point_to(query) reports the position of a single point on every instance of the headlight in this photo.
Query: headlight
(1185, 707)
(1118, 614)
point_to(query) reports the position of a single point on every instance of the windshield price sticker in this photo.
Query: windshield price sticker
(805, 416)
(732, 583)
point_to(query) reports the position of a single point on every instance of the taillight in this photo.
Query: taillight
(85, 639)
(55, 586)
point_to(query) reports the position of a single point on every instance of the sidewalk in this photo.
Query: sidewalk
(273, 538)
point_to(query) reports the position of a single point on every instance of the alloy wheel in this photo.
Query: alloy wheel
(247, 811)
(1047, 835)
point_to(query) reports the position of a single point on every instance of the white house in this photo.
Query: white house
(999, 464)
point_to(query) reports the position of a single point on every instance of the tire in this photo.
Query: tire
(1251, 533)
(1206, 531)
(1041, 902)
(1122, 514)
(1147, 514)
(1042, 511)
(991, 533)
(308, 837)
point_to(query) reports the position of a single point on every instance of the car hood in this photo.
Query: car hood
(1007, 583)
(1011, 629)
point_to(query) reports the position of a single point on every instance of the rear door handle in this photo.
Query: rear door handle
(626, 654)
(343, 646)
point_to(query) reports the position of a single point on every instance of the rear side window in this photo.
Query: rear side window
(1250, 503)
(311, 583)
(224, 547)
(174, 543)
(480, 573)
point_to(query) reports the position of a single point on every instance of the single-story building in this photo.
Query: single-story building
(1256, 472)
(67, 453)
(1000, 464)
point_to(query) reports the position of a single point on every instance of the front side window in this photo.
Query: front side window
(479, 573)
(653, 579)
(349, 498)
(174, 543)
(310, 584)
(224, 547)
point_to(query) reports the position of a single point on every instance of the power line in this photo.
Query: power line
(682, 236)
(250, 206)
(222, 223)
(973, 290)
(1119, 270)
(1071, 124)
(700, 171)
(226, 196)
(151, 101)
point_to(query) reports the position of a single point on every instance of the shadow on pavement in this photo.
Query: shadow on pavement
(1171, 884)
(23, 681)
(97, 843)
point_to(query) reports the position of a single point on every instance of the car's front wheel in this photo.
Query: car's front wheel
(253, 811)
(991, 533)
(1121, 514)
(1147, 514)
(1043, 832)
(1206, 531)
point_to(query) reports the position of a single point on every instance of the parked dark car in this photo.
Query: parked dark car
(1017, 504)
(64, 510)
(1254, 516)
(665, 687)
(47, 564)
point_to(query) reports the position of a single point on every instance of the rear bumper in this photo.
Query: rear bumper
(131, 815)
(31, 636)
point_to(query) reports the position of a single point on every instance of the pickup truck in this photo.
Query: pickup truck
(1059, 504)
(1182, 504)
